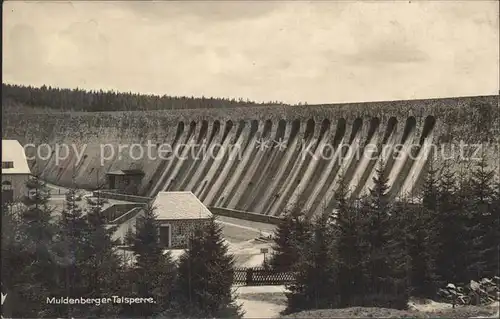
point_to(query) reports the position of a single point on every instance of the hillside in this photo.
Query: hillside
(20, 99)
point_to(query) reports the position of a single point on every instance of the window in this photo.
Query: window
(7, 165)
(6, 185)
(7, 192)
(165, 235)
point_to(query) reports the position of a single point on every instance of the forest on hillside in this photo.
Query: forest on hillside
(62, 99)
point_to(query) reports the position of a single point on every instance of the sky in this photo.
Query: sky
(289, 51)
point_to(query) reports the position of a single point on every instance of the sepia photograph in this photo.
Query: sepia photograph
(250, 159)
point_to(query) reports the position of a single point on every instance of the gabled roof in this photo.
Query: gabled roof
(180, 205)
(13, 151)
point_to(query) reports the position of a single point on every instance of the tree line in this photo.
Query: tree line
(104, 101)
(376, 252)
(75, 256)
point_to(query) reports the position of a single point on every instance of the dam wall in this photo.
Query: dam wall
(266, 160)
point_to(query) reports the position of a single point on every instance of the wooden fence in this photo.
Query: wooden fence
(259, 276)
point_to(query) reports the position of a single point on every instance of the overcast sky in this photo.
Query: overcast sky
(315, 52)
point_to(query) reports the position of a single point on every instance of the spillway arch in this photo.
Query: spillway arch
(293, 184)
(429, 125)
(310, 129)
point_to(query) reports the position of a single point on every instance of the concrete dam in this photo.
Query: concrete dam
(266, 160)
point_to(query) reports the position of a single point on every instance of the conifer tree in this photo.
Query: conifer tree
(154, 271)
(449, 224)
(376, 228)
(71, 252)
(419, 236)
(87, 263)
(314, 284)
(15, 261)
(205, 276)
(36, 200)
(378, 199)
(36, 265)
(10, 231)
(348, 248)
(495, 264)
(482, 222)
(384, 258)
(288, 237)
(430, 187)
(103, 267)
(73, 220)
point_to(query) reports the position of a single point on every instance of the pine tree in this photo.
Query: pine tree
(70, 245)
(450, 227)
(88, 265)
(314, 284)
(348, 248)
(36, 259)
(417, 235)
(482, 222)
(375, 209)
(288, 237)
(37, 199)
(384, 258)
(378, 199)
(430, 187)
(495, 264)
(14, 262)
(205, 276)
(102, 268)
(154, 271)
(73, 220)
(420, 237)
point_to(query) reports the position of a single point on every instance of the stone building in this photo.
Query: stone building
(15, 171)
(179, 213)
(125, 181)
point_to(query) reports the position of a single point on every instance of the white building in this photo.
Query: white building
(179, 214)
(15, 171)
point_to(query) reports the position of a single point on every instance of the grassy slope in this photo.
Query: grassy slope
(361, 312)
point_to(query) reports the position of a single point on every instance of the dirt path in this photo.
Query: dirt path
(260, 309)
